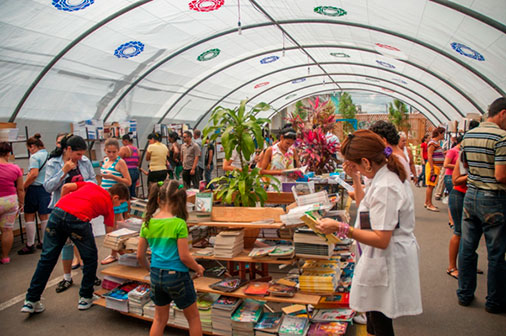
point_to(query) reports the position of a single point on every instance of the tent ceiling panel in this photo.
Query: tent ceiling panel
(68, 56)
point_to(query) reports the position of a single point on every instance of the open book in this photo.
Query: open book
(293, 170)
(310, 219)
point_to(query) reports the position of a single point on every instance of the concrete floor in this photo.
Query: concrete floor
(442, 315)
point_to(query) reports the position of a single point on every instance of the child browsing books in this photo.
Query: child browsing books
(166, 234)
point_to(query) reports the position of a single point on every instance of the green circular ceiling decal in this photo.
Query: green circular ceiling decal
(208, 55)
(291, 96)
(330, 11)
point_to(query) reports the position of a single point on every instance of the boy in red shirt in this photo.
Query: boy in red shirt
(71, 218)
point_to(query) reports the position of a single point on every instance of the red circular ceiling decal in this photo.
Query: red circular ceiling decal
(388, 47)
(205, 5)
(387, 90)
(259, 85)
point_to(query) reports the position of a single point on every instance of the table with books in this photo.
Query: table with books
(313, 301)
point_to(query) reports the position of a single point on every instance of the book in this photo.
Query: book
(268, 324)
(228, 284)
(333, 315)
(341, 300)
(310, 218)
(229, 243)
(277, 289)
(246, 317)
(203, 204)
(327, 329)
(293, 326)
(259, 252)
(294, 309)
(282, 251)
(302, 170)
(257, 288)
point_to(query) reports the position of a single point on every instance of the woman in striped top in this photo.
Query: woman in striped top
(114, 170)
(435, 160)
(130, 154)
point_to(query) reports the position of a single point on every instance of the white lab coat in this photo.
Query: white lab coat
(387, 280)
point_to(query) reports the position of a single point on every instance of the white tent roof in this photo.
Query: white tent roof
(70, 60)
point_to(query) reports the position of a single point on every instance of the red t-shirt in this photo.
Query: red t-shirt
(461, 188)
(424, 150)
(87, 202)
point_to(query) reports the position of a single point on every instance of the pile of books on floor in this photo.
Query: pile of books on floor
(246, 317)
(117, 299)
(320, 276)
(138, 207)
(229, 244)
(308, 244)
(221, 312)
(149, 309)
(128, 259)
(137, 298)
(115, 240)
(204, 303)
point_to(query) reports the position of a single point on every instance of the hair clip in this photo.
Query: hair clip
(388, 151)
(180, 186)
(160, 183)
(351, 136)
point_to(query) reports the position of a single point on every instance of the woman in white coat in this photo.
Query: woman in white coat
(386, 283)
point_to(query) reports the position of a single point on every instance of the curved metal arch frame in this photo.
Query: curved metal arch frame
(142, 2)
(350, 82)
(266, 24)
(71, 45)
(359, 83)
(351, 89)
(332, 63)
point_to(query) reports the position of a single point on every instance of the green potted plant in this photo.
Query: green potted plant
(239, 130)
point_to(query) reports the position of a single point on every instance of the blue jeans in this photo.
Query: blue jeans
(448, 183)
(134, 175)
(484, 212)
(62, 225)
(456, 205)
(207, 174)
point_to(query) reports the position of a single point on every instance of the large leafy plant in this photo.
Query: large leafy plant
(239, 130)
(398, 115)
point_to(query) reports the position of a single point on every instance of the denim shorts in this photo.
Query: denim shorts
(168, 286)
(456, 205)
(37, 199)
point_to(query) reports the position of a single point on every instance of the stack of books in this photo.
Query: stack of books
(128, 259)
(269, 324)
(229, 244)
(133, 223)
(269, 233)
(246, 317)
(132, 243)
(308, 244)
(320, 276)
(327, 329)
(138, 207)
(117, 299)
(259, 252)
(293, 326)
(176, 316)
(137, 298)
(221, 312)
(115, 240)
(110, 282)
(204, 303)
(149, 309)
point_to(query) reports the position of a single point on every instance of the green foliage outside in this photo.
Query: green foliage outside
(347, 110)
(398, 115)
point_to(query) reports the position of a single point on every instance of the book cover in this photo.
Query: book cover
(269, 322)
(259, 252)
(204, 203)
(293, 325)
(248, 311)
(333, 315)
(228, 284)
(328, 329)
(310, 219)
(282, 290)
(257, 288)
(227, 303)
(282, 251)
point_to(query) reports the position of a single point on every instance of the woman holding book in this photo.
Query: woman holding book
(386, 283)
(281, 159)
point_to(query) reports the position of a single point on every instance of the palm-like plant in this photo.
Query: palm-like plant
(398, 115)
(239, 130)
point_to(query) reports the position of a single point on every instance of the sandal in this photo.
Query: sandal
(76, 266)
(432, 208)
(109, 260)
(451, 272)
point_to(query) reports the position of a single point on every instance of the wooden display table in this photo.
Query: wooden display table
(202, 285)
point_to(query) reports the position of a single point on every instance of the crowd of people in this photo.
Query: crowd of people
(61, 188)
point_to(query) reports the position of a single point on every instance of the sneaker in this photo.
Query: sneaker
(32, 307)
(27, 250)
(85, 303)
(97, 282)
(360, 319)
(5, 260)
(63, 285)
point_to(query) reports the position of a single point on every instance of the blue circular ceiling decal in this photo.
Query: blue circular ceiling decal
(466, 51)
(299, 80)
(72, 6)
(385, 64)
(269, 59)
(129, 49)
(398, 80)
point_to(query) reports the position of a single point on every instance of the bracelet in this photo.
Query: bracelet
(350, 232)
